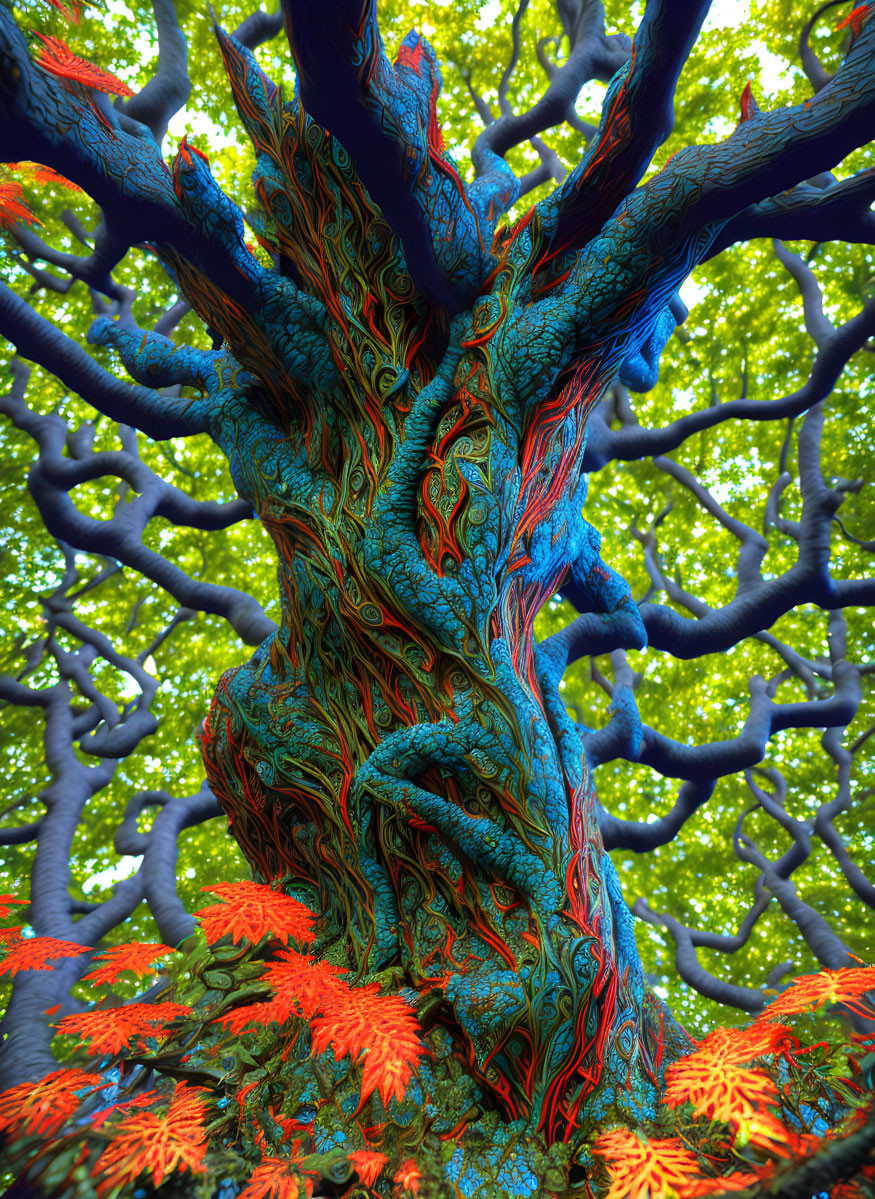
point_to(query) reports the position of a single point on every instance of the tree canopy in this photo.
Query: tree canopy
(730, 757)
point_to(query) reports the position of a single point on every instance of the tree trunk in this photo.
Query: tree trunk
(398, 753)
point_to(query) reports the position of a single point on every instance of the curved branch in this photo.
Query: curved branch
(632, 442)
(688, 940)
(159, 848)
(37, 339)
(169, 88)
(259, 27)
(592, 55)
(55, 474)
(811, 64)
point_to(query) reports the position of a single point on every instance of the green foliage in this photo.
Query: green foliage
(744, 336)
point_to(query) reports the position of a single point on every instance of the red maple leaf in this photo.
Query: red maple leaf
(845, 985)
(144, 1100)
(72, 14)
(382, 1027)
(407, 1177)
(38, 953)
(157, 1144)
(251, 911)
(737, 1181)
(58, 59)
(5, 901)
(12, 209)
(259, 1014)
(855, 19)
(276, 1179)
(110, 1029)
(739, 1045)
(41, 1108)
(135, 956)
(302, 983)
(35, 172)
(368, 1165)
(718, 1090)
(641, 1169)
(348, 1020)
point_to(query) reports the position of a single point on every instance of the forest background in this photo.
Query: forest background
(745, 337)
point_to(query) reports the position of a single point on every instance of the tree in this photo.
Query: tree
(410, 394)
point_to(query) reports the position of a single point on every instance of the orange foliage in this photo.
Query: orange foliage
(851, 1189)
(739, 1181)
(407, 1178)
(767, 1132)
(159, 1144)
(855, 19)
(259, 1014)
(739, 1045)
(13, 208)
(35, 172)
(6, 900)
(383, 1027)
(144, 1100)
(135, 956)
(110, 1029)
(73, 13)
(38, 953)
(12, 934)
(251, 911)
(349, 1020)
(58, 59)
(272, 1179)
(845, 985)
(303, 984)
(716, 1089)
(368, 1165)
(644, 1169)
(41, 1108)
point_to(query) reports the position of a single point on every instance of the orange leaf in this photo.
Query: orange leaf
(259, 1014)
(12, 209)
(12, 934)
(348, 1020)
(58, 59)
(110, 1030)
(69, 14)
(37, 953)
(41, 1108)
(303, 984)
(855, 19)
(716, 1089)
(644, 1169)
(276, 1179)
(767, 1132)
(35, 172)
(6, 900)
(368, 1165)
(159, 1144)
(133, 955)
(382, 1027)
(148, 1097)
(847, 1190)
(252, 910)
(739, 1045)
(844, 985)
(738, 1181)
(407, 1177)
